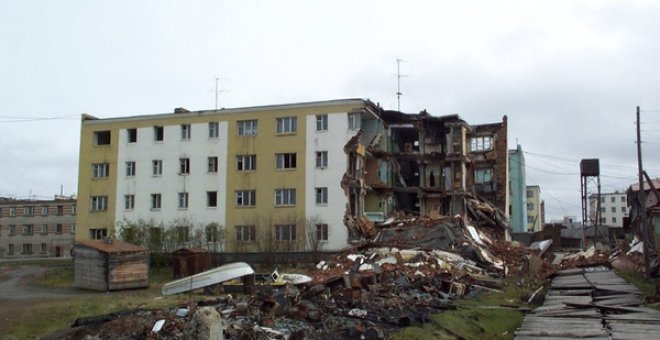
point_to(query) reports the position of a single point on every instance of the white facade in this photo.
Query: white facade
(331, 140)
(144, 183)
(613, 208)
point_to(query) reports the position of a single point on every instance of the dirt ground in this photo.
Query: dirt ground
(18, 292)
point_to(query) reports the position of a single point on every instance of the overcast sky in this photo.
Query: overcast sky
(568, 74)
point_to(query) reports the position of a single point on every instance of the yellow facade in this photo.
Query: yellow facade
(265, 179)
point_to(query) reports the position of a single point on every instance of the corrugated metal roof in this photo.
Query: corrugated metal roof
(111, 246)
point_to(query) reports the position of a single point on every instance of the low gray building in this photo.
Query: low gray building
(37, 228)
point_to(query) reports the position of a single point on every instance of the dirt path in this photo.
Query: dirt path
(17, 283)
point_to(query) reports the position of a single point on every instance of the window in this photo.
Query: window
(73, 228)
(602, 200)
(613, 219)
(321, 232)
(530, 193)
(183, 200)
(12, 230)
(73, 209)
(132, 135)
(212, 164)
(285, 160)
(60, 210)
(129, 202)
(530, 206)
(247, 127)
(44, 247)
(613, 209)
(321, 159)
(245, 233)
(286, 124)
(481, 143)
(27, 248)
(185, 131)
(10, 251)
(28, 210)
(184, 166)
(246, 162)
(602, 209)
(211, 199)
(623, 210)
(159, 133)
(155, 238)
(58, 228)
(181, 234)
(99, 203)
(130, 169)
(98, 233)
(101, 137)
(100, 170)
(214, 127)
(530, 219)
(483, 179)
(214, 232)
(623, 198)
(613, 199)
(246, 198)
(354, 120)
(321, 195)
(321, 122)
(28, 229)
(12, 211)
(157, 167)
(285, 232)
(44, 210)
(285, 197)
(155, 201)
(44, 229)
(603, 220)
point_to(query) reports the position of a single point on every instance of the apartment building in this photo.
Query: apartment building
(613, 208)
(283, 177)
(535, 209)
(518, 218)
(37, 228)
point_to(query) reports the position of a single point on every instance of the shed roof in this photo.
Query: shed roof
(190, 250)
(111, 246)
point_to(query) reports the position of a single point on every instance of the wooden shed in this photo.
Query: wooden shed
(190, 261)
(110, 265)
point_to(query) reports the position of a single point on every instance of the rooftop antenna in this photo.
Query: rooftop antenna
(218, 90)
(398, 82)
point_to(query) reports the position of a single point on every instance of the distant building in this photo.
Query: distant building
(613, 208)
(37, 228)
(517, 191)
(535, 208)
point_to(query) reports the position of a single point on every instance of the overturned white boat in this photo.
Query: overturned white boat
(208, 278)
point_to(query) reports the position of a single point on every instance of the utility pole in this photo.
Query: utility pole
(642, 201)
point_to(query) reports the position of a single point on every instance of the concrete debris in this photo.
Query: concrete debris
(409, 269)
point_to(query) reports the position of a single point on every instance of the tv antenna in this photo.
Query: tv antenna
(218, 90)
(398, 82)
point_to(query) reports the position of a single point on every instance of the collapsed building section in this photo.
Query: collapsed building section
(423, 165)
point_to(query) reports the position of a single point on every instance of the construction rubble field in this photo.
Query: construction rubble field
(405, 270)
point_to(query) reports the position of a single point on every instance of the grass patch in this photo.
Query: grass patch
(485, 316)
(45, 317)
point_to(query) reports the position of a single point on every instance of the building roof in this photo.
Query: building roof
(180, 112)
(656, 184)
(111, 246)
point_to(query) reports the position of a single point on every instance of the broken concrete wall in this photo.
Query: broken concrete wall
(494, 158)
